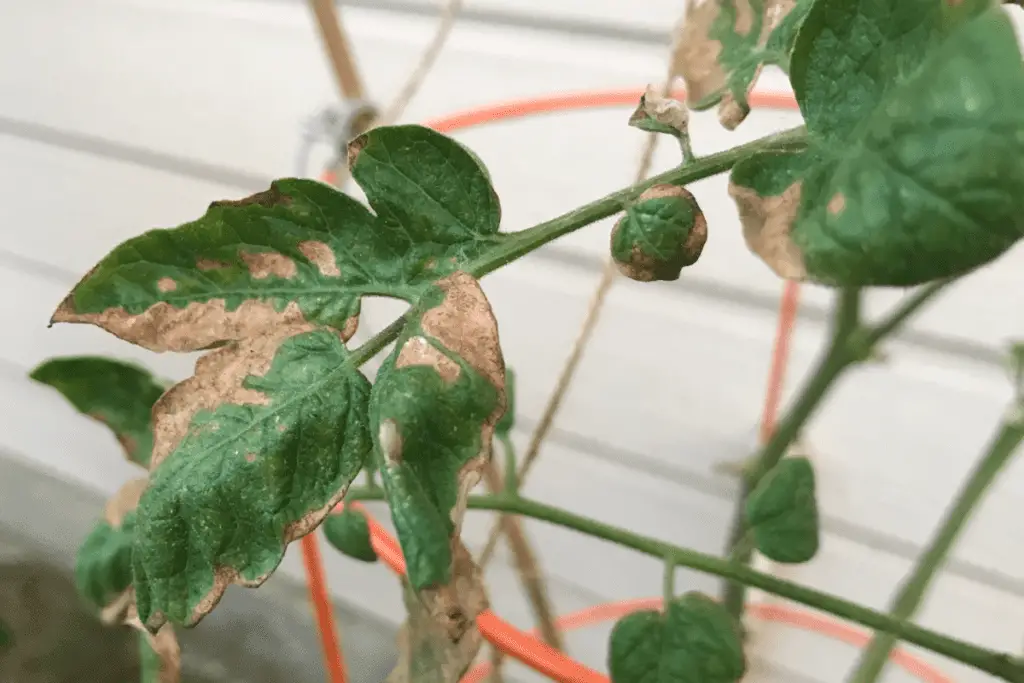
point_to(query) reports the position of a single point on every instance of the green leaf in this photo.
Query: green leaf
(694, 640)
(724, 44)
(508, 419)
(300, 252)
(912, 169)
(250, 454)
(117, 393)
(659, 235)
(783, 514)
(350, 534)
(6, 636)
(434, 408)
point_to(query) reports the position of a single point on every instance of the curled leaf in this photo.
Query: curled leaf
(657, 114)
(659, 235)
(694, 640)
(117, 393)
(722, 45)
(782, 512)
(300, 252)
(251, 453)
(349, 533)
(908, 175)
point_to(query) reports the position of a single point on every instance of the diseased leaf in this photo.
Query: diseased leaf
(298, 253)
(722, 46)
(659, 235)
(117, 393)
(250, 453)
(440, 640)
(103, 564)
(694, 640)
(348, 532)
(782, 512)
(657, 114)
(912, 169)
(434, 408)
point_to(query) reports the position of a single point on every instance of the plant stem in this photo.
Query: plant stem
(998, 664)
(851, 342)
(519, 244)
(511, 476)
(668, 582)
(149, 661)
(912, 593)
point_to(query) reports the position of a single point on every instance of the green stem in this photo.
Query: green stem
(518, 244)
(149, 661)
(511, 475)
(911, 594)
(998, 664)
(668, 581)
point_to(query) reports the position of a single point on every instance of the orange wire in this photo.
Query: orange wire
(525, 646)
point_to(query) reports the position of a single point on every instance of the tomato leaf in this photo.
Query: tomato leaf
(782, 512)
(349, 533)
(659, 235)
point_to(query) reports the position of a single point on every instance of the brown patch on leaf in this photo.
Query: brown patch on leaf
(197, 326)
(322, 256)
(730, 113)
(205, 264)
(390, 441)
(767, 222)
(695, 53)
(643, 267)
(267, 198)
(128, 444)
(664, 110)
(440, 640)
(217, 380)
(263, 264)
(166, 284)
(836, 204)
(354, 148)
(419, 351)
(744, 17)
(124, 501)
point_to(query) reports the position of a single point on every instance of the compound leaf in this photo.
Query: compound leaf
(782, 512)
(912, 168)
(250, 453)
(694, 640)
(300, 252)
(724, 44)
(659, 235)
(434, 408)
(349, 533)
(117, 393)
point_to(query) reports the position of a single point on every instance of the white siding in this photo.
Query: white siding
(122, 115)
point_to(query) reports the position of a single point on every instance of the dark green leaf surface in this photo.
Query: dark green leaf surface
(782, 512)
(912, 171)
(694, 640)
(434, 407)
(103, 565)
(349, 533)
(659, 235)
(300, 252)
(117, 393)
(725, 44)
(6, 636)
(251, 453)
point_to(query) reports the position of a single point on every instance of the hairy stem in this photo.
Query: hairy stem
(912, 593)
(851, 342)
(998, 664)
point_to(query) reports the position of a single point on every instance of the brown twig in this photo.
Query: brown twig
(343, 64)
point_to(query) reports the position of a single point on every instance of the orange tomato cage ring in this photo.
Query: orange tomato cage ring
(527, 647)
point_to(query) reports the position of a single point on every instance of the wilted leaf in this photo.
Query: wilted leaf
(722, 46)
(251, 453)
(298, 253)
(782, 512)
(103, 564)
(440, 640)
(117, 393)
(434, 408)
(912, 169)
(694, 640)
(657, 114)
(659, 235)
(349, 533)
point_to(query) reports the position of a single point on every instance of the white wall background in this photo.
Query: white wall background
(121, 115)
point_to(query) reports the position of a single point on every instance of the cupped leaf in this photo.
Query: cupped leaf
(912, 168)
(723, 45)
(117, 393)
(694, 640)
(434, 408)
(659, 235)
(103, 564)
(300, 252)
(251, 453)
(658, 114)
(349, 533)
(782, 512)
